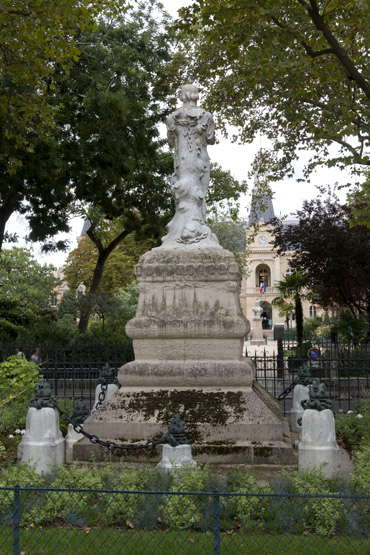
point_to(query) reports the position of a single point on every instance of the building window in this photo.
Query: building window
(54, 301)
(262, 278)
(312, 311)
(289, 272)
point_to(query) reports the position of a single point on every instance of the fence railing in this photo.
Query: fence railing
(73, 370)
(83, 521)
(345, 373)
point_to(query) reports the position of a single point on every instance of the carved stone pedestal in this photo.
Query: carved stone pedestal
(188, 337)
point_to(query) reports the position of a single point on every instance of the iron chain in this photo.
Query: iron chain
(286, 391)
(111, 445)
(103, 389)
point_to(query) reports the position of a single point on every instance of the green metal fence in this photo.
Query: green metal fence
(80, 521)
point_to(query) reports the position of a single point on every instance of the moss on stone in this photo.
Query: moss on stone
(195, 407)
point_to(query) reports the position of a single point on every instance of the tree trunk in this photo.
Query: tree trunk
(299, 319)
(99, 269)
(6, 210)
(94, 287)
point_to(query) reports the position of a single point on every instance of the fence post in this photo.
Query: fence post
(16, 520)
(216, 524)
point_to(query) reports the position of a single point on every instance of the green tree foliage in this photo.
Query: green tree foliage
(38, 41)
(25, 292)
(36, 37)
(285, 309)
(294, 287)
(119, 267)
(16, 376)
(297, 72)
(114, 98)
(334, 256)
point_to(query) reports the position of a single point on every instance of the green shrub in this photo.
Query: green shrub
(17, 375)
(354, 427)
(25, 476)
(360, 479)
(247, 509)
(75, 508)
(180, 512)
(13, 414)
(121, 508)
(320, 515)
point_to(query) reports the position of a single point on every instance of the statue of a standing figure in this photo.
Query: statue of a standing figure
(190, 129)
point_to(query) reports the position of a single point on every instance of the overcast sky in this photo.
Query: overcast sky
(288, 194)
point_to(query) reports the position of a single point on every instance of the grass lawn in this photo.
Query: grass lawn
(64, 541)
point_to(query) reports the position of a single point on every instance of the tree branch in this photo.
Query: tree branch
(338, 50)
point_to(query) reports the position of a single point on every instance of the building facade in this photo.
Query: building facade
(265, 267)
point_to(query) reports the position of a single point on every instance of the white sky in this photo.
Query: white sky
(288, 194)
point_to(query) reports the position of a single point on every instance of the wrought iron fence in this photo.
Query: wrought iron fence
(345, 372)
(73, 370)
(83, 521)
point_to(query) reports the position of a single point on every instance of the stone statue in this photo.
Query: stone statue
(190, 129)
(257, 310)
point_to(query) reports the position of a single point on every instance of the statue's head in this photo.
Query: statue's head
(189, 93)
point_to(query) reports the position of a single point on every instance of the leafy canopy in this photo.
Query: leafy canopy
(25, 292)
(37, 36)
(334, 257)
(297, 72)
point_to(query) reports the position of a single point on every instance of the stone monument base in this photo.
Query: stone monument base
(229, 425)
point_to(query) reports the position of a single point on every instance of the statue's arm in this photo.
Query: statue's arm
(210, 130)
(170, 123)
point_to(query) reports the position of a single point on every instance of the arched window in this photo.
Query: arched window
(263, 277)
(312, 311)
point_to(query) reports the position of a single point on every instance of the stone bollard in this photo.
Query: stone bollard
(175, 459)
(107, 386)
(79, 415)
(176, 454)
(300, 393)
(43, 445)
(318, 446)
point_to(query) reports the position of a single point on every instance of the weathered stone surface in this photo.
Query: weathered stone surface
(188, 294)
(43, 445)
(189, 130)
(71, 438)
(188, 338)
(243, 422)
(175, 459)
(318, 446)
(180, 372)
(112, 388)
(300, 393)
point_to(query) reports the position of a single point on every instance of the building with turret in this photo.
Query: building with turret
(265, 267)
